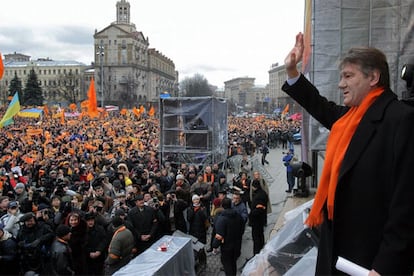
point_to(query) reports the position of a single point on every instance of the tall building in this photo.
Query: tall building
(127, 71)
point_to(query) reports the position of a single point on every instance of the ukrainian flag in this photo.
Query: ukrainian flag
(13, 109)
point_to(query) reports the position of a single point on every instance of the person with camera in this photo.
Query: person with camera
(173, 211)
(45, 215)
(287, 160)
(11, 218)
(34, 240)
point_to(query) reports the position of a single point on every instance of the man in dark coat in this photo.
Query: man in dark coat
(144, 222)
(34, 240)
(229, 231)
(364, 202)
(96, 245)
(258, 215)
(8, 253)
(61, 254)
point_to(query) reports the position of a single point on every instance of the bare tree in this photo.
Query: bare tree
(196, 86)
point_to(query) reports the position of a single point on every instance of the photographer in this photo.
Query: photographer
(34, 240)
(173, 211)
(45, 215)
(11, 218)
(35, 197)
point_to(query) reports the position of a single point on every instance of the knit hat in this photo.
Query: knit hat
(19, 185)
(180, 177)
(195, 197)
(62, 230)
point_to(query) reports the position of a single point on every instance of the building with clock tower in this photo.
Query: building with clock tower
(128, 72)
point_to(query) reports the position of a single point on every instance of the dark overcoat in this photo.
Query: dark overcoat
(373, 222)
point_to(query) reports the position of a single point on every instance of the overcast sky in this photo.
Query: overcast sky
(219, 39)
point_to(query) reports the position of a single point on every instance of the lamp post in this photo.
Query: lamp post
(101, 53)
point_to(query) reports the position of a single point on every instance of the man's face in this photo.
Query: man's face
(4, 203)
(147, 197)
(236, 199)
(30, 223)
(354, 84)
(56, 202)
(90, 222)
(208, 169)
(99, 191)
(140, 203)
(19, 190)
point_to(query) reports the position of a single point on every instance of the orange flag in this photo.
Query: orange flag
(46, 110)
(141, 109)
(286, 110)
(62, 116)
(1, 67)
(136, 111)
(72, 107)
(151, 112)
(92, 105)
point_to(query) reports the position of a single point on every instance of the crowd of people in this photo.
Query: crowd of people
(84, 197)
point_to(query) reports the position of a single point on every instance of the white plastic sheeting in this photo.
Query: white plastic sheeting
(178, 259)
(291, 251)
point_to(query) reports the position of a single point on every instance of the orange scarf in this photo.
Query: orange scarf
(341, 134)
(208, 177)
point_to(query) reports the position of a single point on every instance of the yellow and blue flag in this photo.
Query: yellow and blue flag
(13, 109)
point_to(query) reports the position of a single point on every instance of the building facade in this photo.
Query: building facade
(277, 77)
(243, 93)
(62, 82)
(127, 71)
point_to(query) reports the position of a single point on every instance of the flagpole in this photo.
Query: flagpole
(101, 53)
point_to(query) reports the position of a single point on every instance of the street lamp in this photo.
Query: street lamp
(101, 53)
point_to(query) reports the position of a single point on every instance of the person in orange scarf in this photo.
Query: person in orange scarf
(364, 203)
